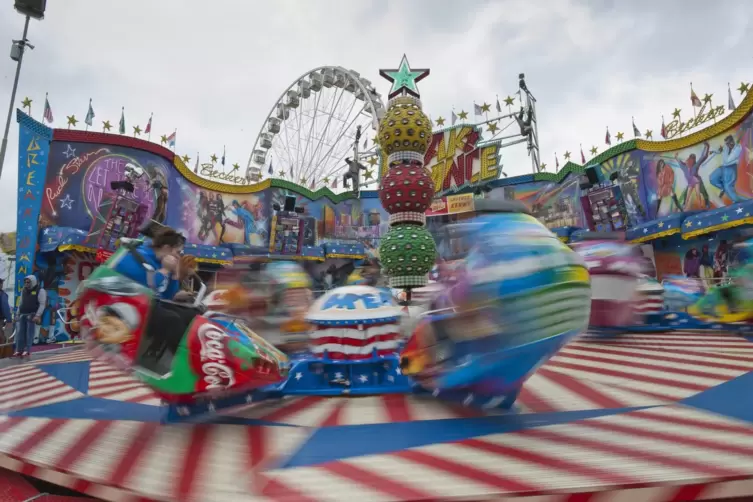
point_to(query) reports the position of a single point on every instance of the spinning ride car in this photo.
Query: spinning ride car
(199, 358)
(681, 292)
(523, 296)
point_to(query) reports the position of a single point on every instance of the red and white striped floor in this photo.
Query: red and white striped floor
(666, 452)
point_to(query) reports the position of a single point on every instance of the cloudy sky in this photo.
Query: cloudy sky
(213, 69)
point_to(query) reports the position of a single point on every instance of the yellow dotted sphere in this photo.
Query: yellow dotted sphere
(403, 128)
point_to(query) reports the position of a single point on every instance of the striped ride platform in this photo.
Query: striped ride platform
(633, 417)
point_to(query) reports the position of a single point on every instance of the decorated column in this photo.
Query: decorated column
(407, 251)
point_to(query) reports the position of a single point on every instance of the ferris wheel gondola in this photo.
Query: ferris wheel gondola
(318, 122)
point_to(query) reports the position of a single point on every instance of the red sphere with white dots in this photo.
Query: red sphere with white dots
(406, 188)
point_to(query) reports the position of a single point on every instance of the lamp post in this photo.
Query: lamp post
(17, 54)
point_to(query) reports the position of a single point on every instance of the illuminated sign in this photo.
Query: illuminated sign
(208, 171)
(457, 159)
(350, 301)
(451, 204)
(677, 127)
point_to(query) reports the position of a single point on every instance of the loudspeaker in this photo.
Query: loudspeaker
(614, 176)
(593, 176)
(309, 231)
(289, 203)
(32, 8)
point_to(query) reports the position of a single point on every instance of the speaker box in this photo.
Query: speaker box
(593, 176)
(309, 231)
(32, 8)
(289, 203)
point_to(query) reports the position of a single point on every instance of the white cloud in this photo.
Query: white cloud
(214, 69)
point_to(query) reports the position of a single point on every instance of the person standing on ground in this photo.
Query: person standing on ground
(5, 314)
(33, 302)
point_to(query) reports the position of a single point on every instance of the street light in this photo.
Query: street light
(31, 9)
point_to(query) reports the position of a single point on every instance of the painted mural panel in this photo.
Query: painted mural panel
(707, 258)
(627, 166)
(554, 204)
(715, 173)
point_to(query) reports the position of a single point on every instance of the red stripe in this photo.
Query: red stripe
(658, 344)
(634, 453)
(342, 356)
(353, 342)
(465, 471)
(67, 461)
(654, 395)
(256, 446)
(295, 405)
(672, 419)
(140, 443)
(375, 481)
(81, 486)
(655, 357)
(647, 366)
(397, 407)
(276, 490)
(191, 462)
(688, 492)
(335, 416)
(533, 401)
(38, 436)
(549, 462)
(9, 423)
(678, 342)
(582, 389)
(630, 376)
(35, 402)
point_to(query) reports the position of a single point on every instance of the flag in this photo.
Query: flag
(148, 129)
(334, 184)
(694, 98)
(663, 128)
(121, 127)
(270, 170)
(477, 110)
(636, 132)
(499, 107)
(171, 140)
(556, 162)
(89, 120)
(454, 117)
(223, 155)
(196, 167)
(47, 111)
(730, 102)
(365, 143)
(608, 138)
(582, 156)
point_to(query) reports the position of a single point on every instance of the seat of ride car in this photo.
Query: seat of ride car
(163, 335)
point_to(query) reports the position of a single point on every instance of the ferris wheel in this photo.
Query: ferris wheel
(325, 118)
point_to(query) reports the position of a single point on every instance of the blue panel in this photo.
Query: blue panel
(337, 443)
(732, 398)
(74, 375)
(95, 408)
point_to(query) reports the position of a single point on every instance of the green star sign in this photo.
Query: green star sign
(404, 79)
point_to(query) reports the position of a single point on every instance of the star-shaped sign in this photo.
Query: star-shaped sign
(163, 139)
(463, 115)
(325, 180)
(707, 98)
(486, 108)
(281, 174)
(66, 202)
(620, 135)
(440, 121)
(492, 127)
(649, 134)
(661, 224)
(106, 126)
(368, 174)
(509, 100)
(676, 113)
(72, 120)
(372, 161)
(186, 159)
(567, 155)
(26, 103)
(136, 130)
(213, 158)
(69, 152)
(404, 79)
(236, 166)
(725, 217)
(303, 181)
(594, 150)
(743, 87)
(543, 166)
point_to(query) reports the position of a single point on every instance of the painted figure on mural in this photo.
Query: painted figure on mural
(695, 195)
(721, 260)
(707, 266)
(665, 190)
(724, 177)
(202, 212)
(692, 265)
(245, 221)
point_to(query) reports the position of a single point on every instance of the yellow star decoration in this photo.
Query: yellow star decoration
(486, 108)
(492, 127)
(676, 113)
(106, 126)
(509, 100)
(325, 180)
(594, 150)
(368, 174)
(163, 139)
(26, 103)
(136, 130)
(743, 87)
(281, 174)
(236, 166)
(303, 181)
(213, 158)
(543, 166)
(567, 155)
(72, 120)
(707, 98)
(620, 135)
(372, 161)
(463, 115)
(649, 134)
(440, 121)
(186, 159)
